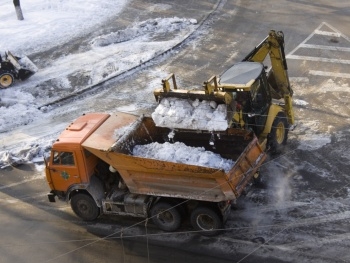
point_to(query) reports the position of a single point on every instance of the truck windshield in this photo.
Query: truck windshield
(63, 158)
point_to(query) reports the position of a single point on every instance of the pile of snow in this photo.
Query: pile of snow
(159, 25)
(123, 130)
(30, 153)
(178, 113)
(180, 153)
(300, 102)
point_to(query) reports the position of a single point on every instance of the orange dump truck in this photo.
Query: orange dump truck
(92, 165)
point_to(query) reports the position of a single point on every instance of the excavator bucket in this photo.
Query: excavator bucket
(205, 109)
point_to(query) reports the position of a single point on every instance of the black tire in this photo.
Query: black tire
(206, 220)
(6, 80)
(257, 180)
(165, 216)
(85, 207)
(279, 133)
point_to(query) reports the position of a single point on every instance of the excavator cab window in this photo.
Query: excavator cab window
(260, 96)
(260, 102)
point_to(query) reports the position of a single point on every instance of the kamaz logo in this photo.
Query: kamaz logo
(65, 175)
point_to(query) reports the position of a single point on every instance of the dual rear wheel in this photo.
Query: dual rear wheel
(206, 220)
(168, 217)
(165, 215)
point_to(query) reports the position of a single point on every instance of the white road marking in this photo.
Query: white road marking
(318, 31)
(21, 182)
(346, 49)
(329, 74)
(330, 60)
(306, 39)
(326, 33)
(299, 79)
(337, 31)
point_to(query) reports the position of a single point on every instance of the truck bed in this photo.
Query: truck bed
(114, 140)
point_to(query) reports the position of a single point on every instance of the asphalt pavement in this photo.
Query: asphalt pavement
(301, 214)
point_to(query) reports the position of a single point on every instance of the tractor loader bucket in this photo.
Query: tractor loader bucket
(210, 93)
(23, 66)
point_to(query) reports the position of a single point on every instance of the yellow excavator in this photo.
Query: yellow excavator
(257, 97)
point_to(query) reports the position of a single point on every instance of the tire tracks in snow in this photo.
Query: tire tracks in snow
(159, 57)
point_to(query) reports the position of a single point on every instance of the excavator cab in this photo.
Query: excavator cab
(247, 80)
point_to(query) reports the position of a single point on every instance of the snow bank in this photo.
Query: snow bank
(187, 114)
(52, 23)
(178, 152)
(159, 25)
(29, 153)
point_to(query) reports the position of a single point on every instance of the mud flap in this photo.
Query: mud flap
(96, 190)
(51, 197)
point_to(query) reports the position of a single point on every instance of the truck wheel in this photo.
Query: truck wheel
(206, 220)
(279, 133)
(85, 207)
(165, 216)
(6, 80)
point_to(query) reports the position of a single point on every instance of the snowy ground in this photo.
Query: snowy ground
(304, 207)
(105, 56)
(51, 23)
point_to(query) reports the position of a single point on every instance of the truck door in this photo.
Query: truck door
(63, 170)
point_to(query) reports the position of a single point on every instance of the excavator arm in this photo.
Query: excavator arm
(273, 45)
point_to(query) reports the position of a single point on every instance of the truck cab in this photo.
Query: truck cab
(69, 164)
(93, 166)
